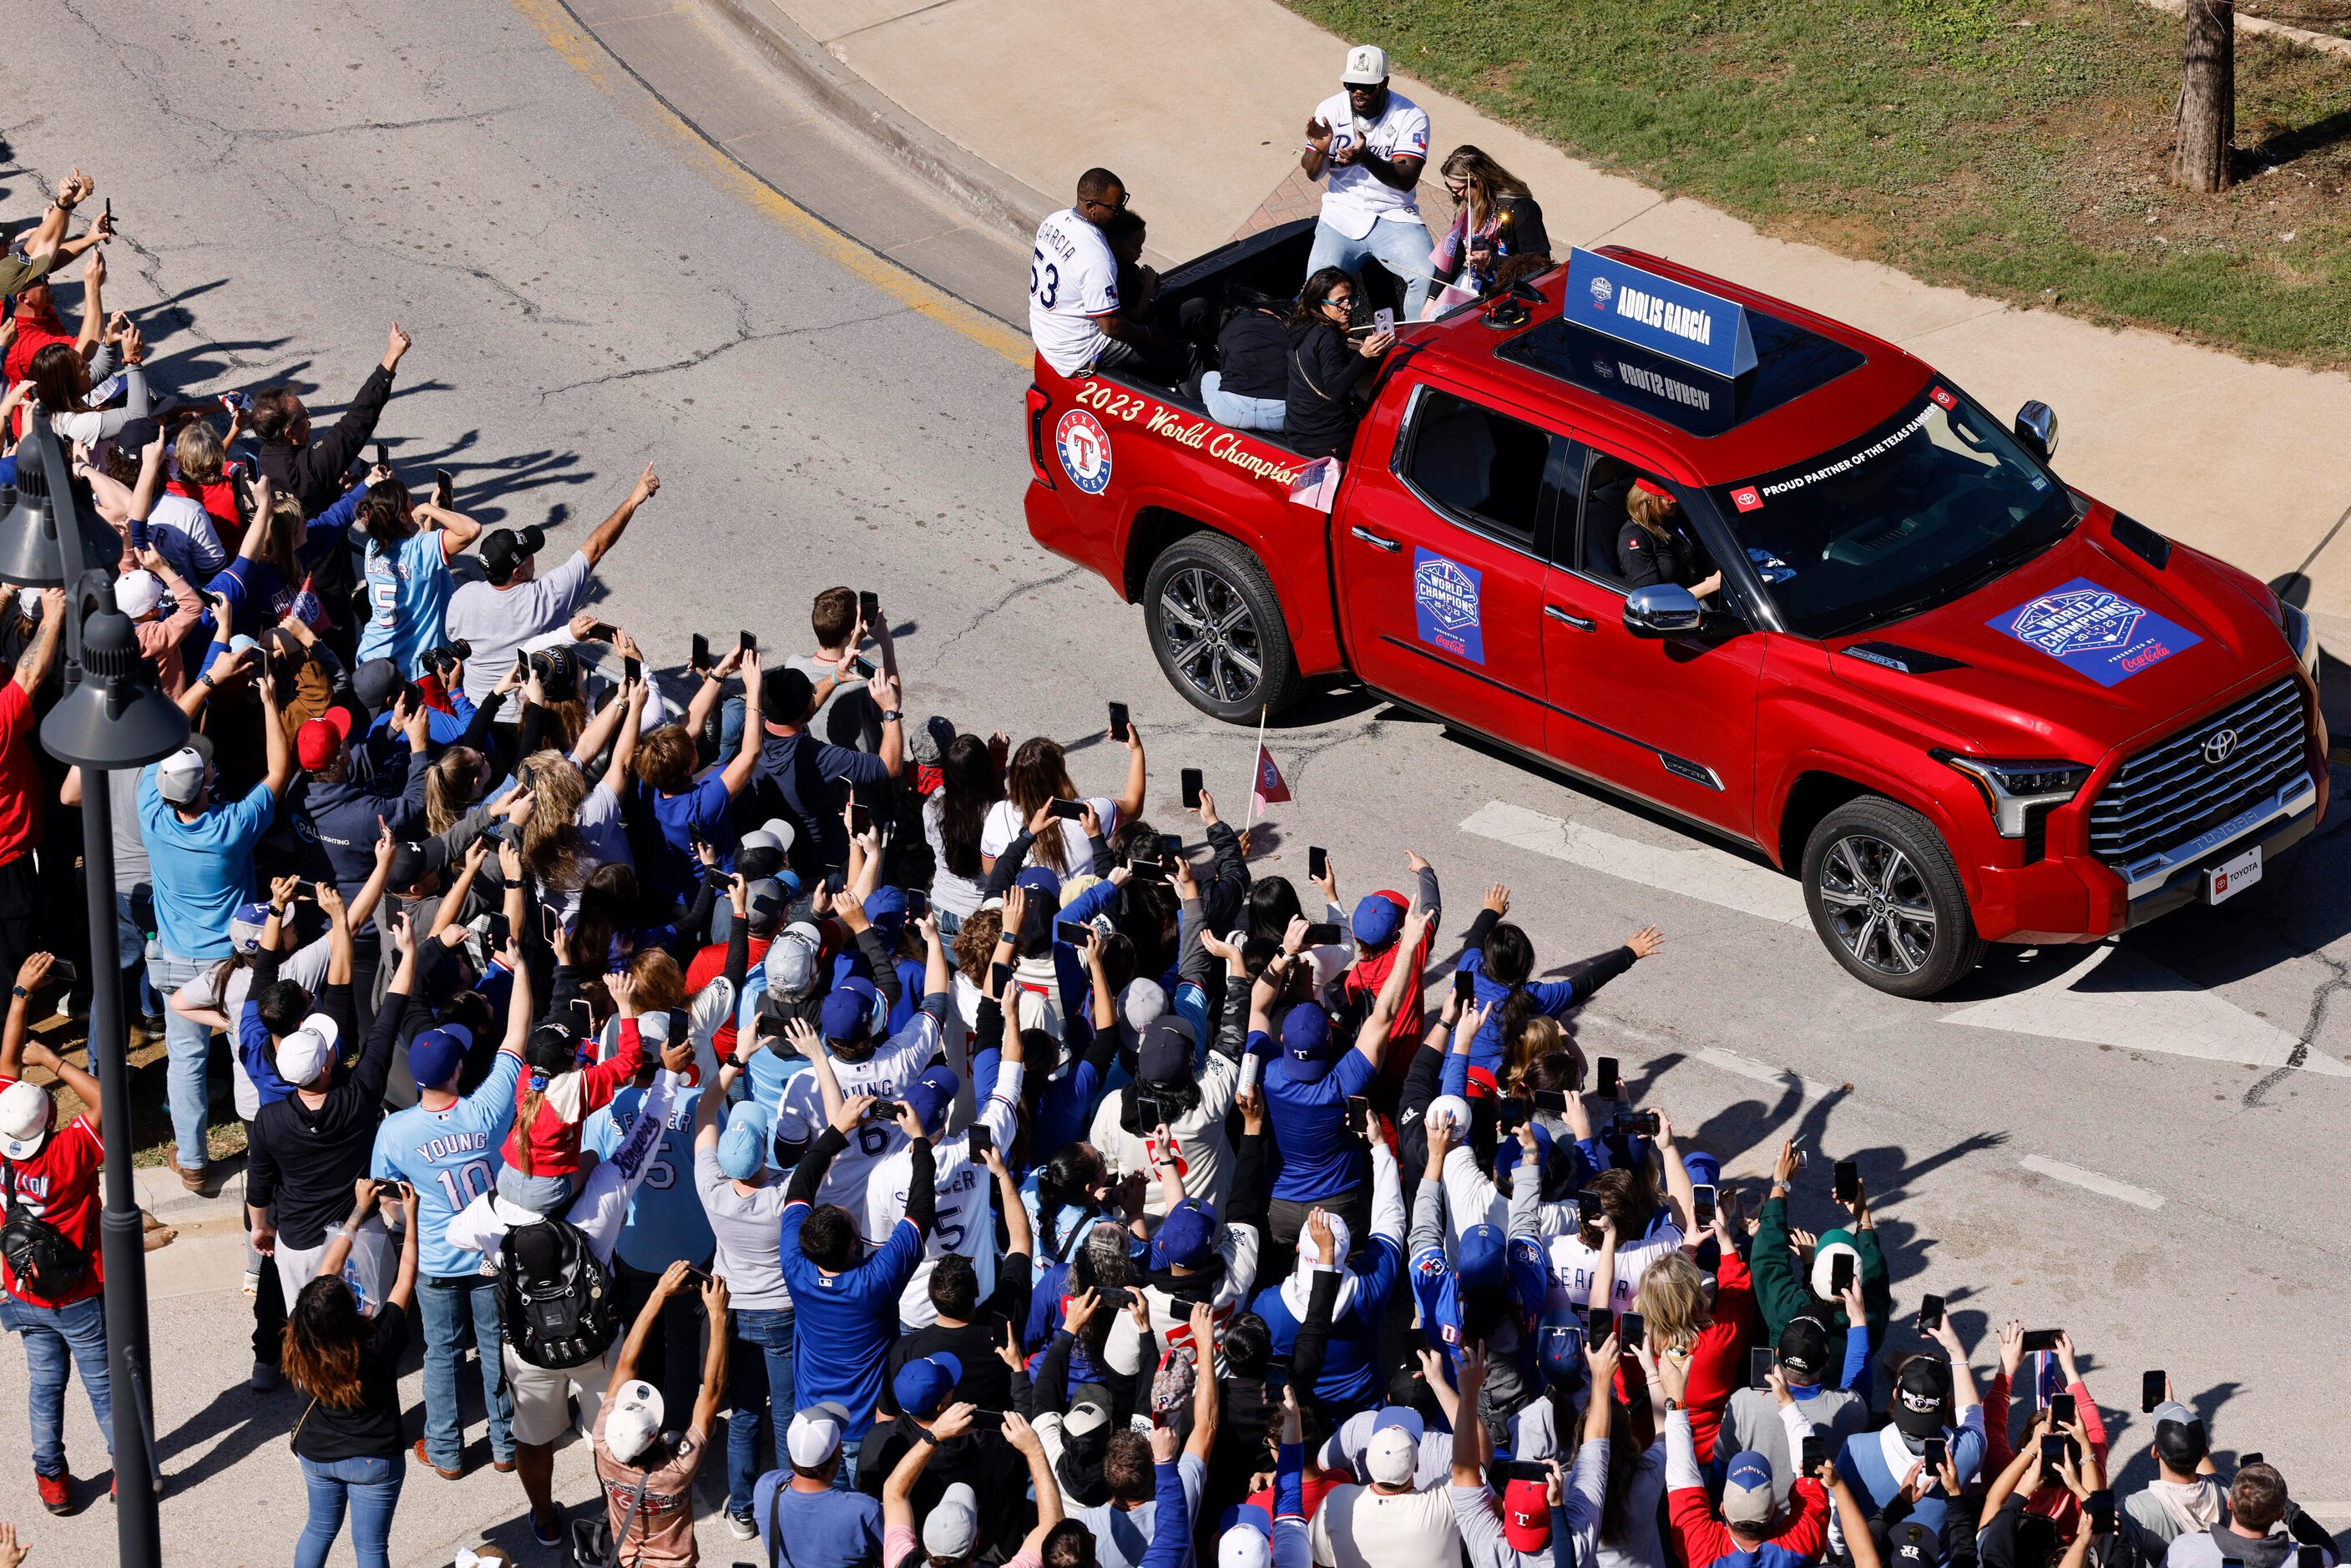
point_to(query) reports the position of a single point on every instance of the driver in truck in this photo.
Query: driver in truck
(1654, 546)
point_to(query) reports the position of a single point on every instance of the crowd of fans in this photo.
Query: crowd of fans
(1006, 1176)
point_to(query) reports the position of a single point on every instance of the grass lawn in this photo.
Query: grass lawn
(2016, 148)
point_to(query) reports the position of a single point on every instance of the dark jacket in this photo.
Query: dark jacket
(1252, 355)
(314, 472)
(1320, 414)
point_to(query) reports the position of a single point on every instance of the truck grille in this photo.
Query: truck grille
(2170, 792)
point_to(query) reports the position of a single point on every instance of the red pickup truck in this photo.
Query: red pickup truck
(1962, 702)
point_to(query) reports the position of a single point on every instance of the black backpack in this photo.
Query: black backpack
(42, 1260)
(565, 1318)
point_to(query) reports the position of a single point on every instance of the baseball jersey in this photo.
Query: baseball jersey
(1073, 278)
(894, 1064)
(451, 1158)
(1355, 198)
(408, 590)
(665, 1222)
(1573, 1268)
(60, 1185)
(966, 1226)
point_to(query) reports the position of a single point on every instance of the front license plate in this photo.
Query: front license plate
(2233, 875)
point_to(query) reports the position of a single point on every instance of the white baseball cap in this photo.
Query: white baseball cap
(952, 1528)
(1393, 1457)
(137, 592)
(634, 1420)
(815, 1433)
(1244, 1546)
(1367, 66)
(791, 959)
(179, 778)
(306, 1053)
(24, 1120)
(775, 833)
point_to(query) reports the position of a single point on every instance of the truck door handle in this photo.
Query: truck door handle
(1374, 541)
(1578, 621)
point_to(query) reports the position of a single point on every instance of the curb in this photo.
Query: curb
(2302, 37)
(1002, 203)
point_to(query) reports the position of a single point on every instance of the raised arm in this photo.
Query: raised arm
(33, 666)
(739, 772)
(714, 1361)
(632, 1349)
(1404, 978)
(608, 532)
(624, 745)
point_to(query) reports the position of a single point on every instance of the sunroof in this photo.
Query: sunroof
(1788, 362)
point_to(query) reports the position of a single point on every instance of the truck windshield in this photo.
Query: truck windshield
(1934, 503)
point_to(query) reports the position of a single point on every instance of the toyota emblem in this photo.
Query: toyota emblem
(2217, 746)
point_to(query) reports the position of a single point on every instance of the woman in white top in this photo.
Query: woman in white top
(954, 819)
(1040, 773)
(61, 378)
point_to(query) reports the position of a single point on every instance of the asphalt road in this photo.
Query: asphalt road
(2112, 1142)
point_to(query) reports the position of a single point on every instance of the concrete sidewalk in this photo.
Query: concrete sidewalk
(1200, 106)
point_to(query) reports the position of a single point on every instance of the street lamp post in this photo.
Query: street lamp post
(109, 718)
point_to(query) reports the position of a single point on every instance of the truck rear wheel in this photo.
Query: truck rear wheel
(1218, 630)
(1888, 901)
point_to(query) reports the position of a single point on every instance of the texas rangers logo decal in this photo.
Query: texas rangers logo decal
(1084, 447)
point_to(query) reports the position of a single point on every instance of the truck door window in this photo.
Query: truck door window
(1483, 468)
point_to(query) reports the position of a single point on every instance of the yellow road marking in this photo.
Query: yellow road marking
(586, 54)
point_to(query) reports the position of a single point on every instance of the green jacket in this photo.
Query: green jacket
(1781, 1295)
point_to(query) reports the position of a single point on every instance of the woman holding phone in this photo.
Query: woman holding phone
(1326, 365)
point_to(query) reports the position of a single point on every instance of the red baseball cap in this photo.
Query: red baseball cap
(317, 743)
(1653, 488)
(1526, 1515)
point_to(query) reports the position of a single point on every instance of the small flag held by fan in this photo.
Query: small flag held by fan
(1269, 787)
(1317, 484)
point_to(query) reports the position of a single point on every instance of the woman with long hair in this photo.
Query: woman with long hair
(1502, 959)
(955, 816)
(1701, 1324)
(1040, 773)
(409, 547)
(1318, 410)
(61, 380)
(348, 1437)
(1494, 217)
(1651, 548)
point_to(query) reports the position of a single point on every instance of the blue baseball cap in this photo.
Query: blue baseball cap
(849, 1010)
(1306, 1032)
(743, 1147)
(1560, 1342)
(1479, 1263)
(1187, 1237)
(925, 1386)
(1704, 1169)
(1377, 918)
(1747, 1489)
(887, 907)
(1041, 879)
(931, 1095)
(435, 1056)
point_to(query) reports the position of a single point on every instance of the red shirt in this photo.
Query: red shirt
(60, 1185)
(20, 775)
(706, 966)
(34, 333)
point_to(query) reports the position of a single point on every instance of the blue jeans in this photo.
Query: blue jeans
(52, 1334)
(371, 1489)
(445, 1306)
(1401, 248)
(759, 1372)
(1237, 411)
(539, 1194)
(189, 1043)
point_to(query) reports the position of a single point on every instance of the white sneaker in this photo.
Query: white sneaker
(742, 1526)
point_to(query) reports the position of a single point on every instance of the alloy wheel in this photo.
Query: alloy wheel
(1878, 905)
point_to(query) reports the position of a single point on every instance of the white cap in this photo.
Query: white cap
(1244, 1546)
(1367, 66)
(306, 1053)
(952, 1528)
(791, 959)
(179, 776)
(137, 592)
(775, 833)
(1140, 1005)
(1393, 1457)
(29, 603)
(815, 1433)
(24, 1120)
(1448, 1108)
(634, 1419)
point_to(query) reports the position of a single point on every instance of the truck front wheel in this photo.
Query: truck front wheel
(1886, 899)
(1218, 630)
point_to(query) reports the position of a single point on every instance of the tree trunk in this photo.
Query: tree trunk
(2203, 156)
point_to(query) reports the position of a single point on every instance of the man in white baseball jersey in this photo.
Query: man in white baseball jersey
(1073, 293)
(1373, 141)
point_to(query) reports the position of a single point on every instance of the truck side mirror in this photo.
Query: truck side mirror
(2036, 427)
(1662, 609)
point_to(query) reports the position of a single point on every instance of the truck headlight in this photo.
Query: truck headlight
(2015, 789)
